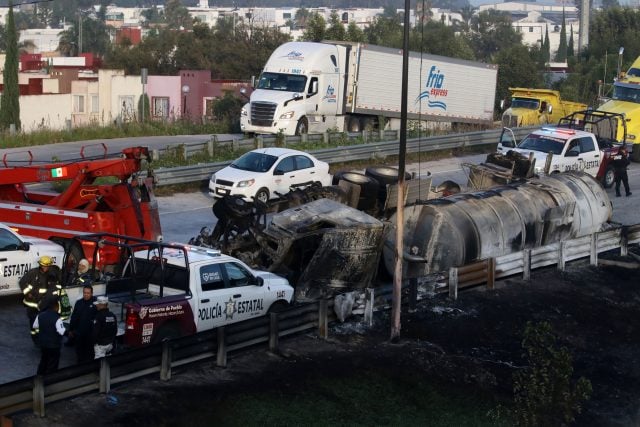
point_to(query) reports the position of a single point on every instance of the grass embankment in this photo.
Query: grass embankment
(365, 398)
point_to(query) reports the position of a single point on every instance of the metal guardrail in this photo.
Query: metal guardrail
(341, 154)
(32, 393)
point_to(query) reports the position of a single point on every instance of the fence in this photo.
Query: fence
(33, 393)
(365, 151)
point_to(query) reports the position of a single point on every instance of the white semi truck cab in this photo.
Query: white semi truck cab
(300, 90)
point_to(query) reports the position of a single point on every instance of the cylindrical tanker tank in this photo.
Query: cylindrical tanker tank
(466, 227)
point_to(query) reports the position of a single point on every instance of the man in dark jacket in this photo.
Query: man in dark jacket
(81, 325)
(105, 328)
(620, 163)
(51, 330)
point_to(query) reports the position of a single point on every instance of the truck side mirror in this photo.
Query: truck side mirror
(549, 108)
(25, 246)
(259, 281)
(314, 87)
(502, 105)
(253, 81)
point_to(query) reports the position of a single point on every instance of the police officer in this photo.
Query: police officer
(81, 325)
(620, 163)
(105, 328)
(34, 288)
(52, 330)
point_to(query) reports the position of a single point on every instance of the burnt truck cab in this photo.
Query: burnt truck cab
(167, 290)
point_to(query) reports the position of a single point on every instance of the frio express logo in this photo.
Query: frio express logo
(434, 89)
(330, 95)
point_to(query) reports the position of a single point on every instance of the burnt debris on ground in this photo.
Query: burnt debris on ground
(473, 342)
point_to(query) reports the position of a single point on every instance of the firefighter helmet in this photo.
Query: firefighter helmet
(45, 261)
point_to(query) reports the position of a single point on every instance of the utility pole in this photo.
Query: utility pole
(397, 276)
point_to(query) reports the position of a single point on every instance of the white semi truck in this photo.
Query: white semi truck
(314, 87)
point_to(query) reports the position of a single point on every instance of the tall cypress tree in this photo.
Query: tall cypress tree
(561, 55)
(546, 47)
(10, 103)
(570, 51)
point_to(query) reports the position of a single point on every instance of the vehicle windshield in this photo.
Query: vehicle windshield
(529, 104)
(624, 93)
(254, 162)
(542, 143)
(283, 82)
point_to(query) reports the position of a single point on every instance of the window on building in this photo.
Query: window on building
(78, 103)
(160, 106)
(531, 29)
(95, 104)
(286, 15)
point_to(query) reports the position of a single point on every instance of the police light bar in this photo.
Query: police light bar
(560, 130)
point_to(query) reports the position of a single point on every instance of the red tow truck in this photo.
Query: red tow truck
(105, 193)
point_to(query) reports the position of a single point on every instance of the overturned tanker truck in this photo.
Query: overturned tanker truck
(466, 227)
(323, 245)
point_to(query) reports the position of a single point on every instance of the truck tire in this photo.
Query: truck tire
(278, 307)
(609, 177)
(338, 176)
(169, 331)
(385, 175)
(302, 127)
(354, 124)
(448, 188)
(369, 188)
(262, 195)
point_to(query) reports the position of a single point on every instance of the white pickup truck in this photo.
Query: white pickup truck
(168, 290)
(565, 149)
(19, 254)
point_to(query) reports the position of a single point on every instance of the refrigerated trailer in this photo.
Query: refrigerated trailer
(314, 87)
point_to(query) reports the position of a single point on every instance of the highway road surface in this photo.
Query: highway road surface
(183, 215)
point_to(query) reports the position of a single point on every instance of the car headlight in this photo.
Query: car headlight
(631, 137)
(246, 183)
(213, 178)
(243, 111)
(287, 115)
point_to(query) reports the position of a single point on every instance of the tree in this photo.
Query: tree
(570, 50)
(546, 47)
(301, 17)
(493, 34)
(177, 16)
(95, 38)
(545, 393)
(354, 33)
(386, 30)
(439, 39)
(515, 65)
(315, 29)
(561, 54)
(336, 28)
(10, 101)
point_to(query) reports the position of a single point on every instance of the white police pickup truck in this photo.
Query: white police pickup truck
(168, 290)
(19, 254)
(566, 149)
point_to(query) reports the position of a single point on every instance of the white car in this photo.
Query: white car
(19, 254)
(266, 172)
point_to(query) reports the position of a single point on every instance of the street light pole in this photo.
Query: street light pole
(185, 91)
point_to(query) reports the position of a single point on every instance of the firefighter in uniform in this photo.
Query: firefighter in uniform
(34, 288)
